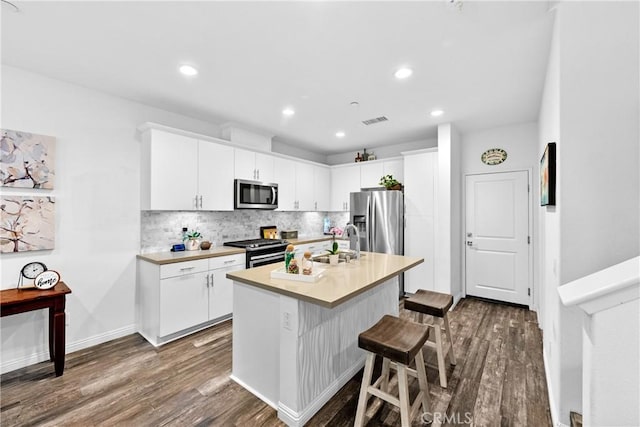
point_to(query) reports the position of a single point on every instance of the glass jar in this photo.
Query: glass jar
(293, 267)
(289, 254)
(307, 264)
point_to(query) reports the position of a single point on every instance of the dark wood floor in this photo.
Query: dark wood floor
(499, 381)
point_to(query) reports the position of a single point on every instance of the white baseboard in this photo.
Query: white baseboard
(43, 356)
(298, 419)
(254, 392)
(555, 416)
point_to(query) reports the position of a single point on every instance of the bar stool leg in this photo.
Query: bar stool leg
(364, 388)
(452, 356)
(422, 380)
(403, 390)
(385, 374)
(439, 352)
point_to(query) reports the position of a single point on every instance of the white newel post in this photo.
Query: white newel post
(610, 299)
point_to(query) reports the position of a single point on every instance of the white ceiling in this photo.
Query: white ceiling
(483, 63)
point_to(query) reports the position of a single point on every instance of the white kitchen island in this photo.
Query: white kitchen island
(295, 344)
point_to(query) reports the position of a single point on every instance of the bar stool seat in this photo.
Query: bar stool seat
(437, 305)
(399, 342)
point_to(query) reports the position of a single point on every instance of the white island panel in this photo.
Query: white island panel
(296, 344)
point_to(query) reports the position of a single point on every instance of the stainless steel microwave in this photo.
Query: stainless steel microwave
(255, 195)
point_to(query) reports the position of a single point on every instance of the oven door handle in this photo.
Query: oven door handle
(265, 256)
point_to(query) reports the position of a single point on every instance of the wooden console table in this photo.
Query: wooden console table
(14, 301)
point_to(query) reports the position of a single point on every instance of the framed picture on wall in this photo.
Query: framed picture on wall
(548, 176)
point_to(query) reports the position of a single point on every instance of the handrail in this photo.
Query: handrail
(604, 289)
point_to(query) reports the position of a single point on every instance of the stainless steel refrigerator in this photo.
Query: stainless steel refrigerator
(379, 217)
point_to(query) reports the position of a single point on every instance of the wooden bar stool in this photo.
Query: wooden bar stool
(399, 342)
(435, 304)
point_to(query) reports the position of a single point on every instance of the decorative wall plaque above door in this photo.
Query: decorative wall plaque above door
(493, 156)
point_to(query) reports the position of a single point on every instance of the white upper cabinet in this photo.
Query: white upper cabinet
(182, 173)
(253, 166)
(420, 171)
(215, 177)
(302, 186)
(370, 174)
(169, 175)
(322, 187)
(285, 177)
(305, 192)
(344, 180)
(394, 168)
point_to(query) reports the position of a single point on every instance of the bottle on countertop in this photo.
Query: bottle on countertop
(307, 264)
(358, 158)
(289, 255)
(365, 155)
(293, 267)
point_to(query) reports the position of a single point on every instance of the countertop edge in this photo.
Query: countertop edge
(321, 302)
(200, 254)
(162, 258)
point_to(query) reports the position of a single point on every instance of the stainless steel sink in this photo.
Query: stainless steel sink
(342, 257)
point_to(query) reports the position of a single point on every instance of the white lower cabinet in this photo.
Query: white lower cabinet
(316, 248)
(180, 298)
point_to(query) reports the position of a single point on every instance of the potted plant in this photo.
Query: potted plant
(390, 183)
(192, 240)
(333, 252)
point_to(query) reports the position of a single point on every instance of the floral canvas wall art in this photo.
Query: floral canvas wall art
(548, 176)
(27, 223)
(27, 160)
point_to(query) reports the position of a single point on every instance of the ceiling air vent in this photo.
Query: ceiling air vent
(374, 121)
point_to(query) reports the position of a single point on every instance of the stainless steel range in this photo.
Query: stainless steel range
(261, 251)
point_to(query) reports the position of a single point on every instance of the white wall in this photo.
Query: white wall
(449, 219)
(97, 208)
(612, 366)
(590, 108)
(520, 141)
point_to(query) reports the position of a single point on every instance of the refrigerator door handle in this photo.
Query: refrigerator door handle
(372, 224)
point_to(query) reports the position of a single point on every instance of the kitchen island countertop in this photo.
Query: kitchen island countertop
(338, 284)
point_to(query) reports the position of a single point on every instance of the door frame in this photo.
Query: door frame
(529, 228)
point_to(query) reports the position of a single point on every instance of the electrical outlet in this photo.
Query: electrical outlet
(286, 320)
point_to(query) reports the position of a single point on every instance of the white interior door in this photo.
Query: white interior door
(497, 236)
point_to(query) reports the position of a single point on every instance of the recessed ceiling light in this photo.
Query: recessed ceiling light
(340, 134)
(188, 70)
(403, 73)
(436, 113)
(288, 112)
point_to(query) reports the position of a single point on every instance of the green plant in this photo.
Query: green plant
(334, 248)
(192, 235)
(389, 181)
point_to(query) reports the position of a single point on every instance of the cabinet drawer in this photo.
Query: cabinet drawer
(181, 268)
(227, 261)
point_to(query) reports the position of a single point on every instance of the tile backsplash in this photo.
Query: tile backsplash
(162, 229)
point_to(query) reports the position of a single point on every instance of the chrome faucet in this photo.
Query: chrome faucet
(346, 230)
